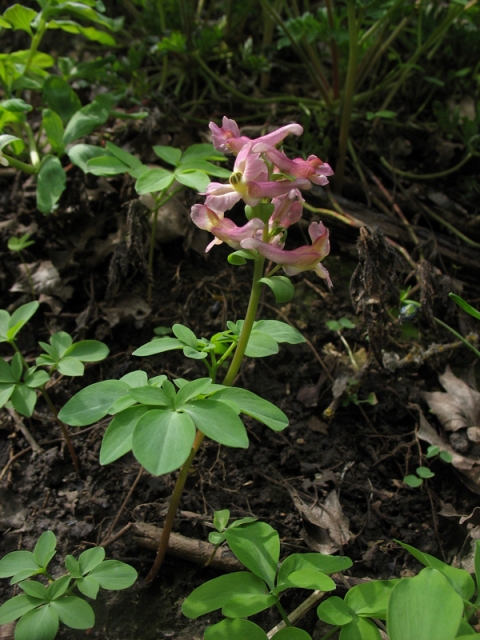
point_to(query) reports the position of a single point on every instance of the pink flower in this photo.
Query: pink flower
(224, 229)
(248, 182)
(288, 209)
(313, 168)
(227, 138)
(306, 258)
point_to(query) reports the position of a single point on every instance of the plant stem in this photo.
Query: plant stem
(18, 164)
(228, 381)
(283, 613)
(63, 427)
(347, 102)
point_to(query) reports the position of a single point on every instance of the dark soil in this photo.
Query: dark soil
(363, 452)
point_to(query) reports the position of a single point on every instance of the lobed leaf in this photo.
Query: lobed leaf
(257, 546)
(17, 607)
(235, 629)
(74, 612)
(114, 575)
(41, 623)
(45, 548)
(92, 403)
(254, 406)
(117, 439)
(218, 421)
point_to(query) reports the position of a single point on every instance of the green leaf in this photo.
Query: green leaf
(81, 154)
(215, 593)
(130, 160)
(461, 579)
(360, 629)
(424, 472)
(61, 342)
(5, 372)
(16, 105)
(168, 154)
(92, 403)
(34, 589)
(90, 559)
(88, 351)
(446, 456)
(58, 587)
(16, 367)
(260, 345)
(162, 440)
(41, 624)
(254, 406)
(24, 400)
(465, 306)
(218, 421)
(236, 629)
(53, 127)
(154, 180)
(158, 345)
(105, 166)
(20, 17)
(17, 561)
(413, 481)
(17, 143)
(88, 32)
(117, 440)
(185, 334)
(424, 607)
(89, 118)
(192, 178)
(279, 331)
(71, 367)
(151, 396)
(20, 317)
(74, 612)
(35, 379)
(189, 352)
(335, 611)
(114, 575)
(203, 151)
(89, 587)
(45, 548)
(192, 390)
(310, 579)
(220, 519)
(6, 391)
(292, 633)
(257, 546)
(72, 566)
(371, 598)
(240, 257)
(282, 287)
(61, 98)
(51, 181)
(17, 607)
(317, 561)
(245, 605)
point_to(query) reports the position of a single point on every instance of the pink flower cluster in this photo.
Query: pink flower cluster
(264, 174)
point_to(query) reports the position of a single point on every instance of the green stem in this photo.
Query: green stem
(37, 38)
(428, 176)
(459, 336)
(347, 102)
(228, 381)
(63, 427)
(283, 613)
(18, 164)
(330, 633)
(160, 201)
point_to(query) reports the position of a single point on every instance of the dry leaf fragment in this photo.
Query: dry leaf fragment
(459, 407)
(326, 526)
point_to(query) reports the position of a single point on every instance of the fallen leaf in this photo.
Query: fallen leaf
(459, 407)
(326, 526)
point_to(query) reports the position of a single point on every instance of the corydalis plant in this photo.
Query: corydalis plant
(268, 182)
(163, 427)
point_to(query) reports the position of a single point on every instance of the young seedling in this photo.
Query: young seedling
(41, 607)
(19, 382)
(243, 594)
(424, 473)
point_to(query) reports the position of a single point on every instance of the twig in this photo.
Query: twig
(12, 460)
(300, 611)
(118, 535)
(106, 540)
(26, 433)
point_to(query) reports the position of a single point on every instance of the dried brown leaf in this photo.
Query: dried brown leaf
(459, 407)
